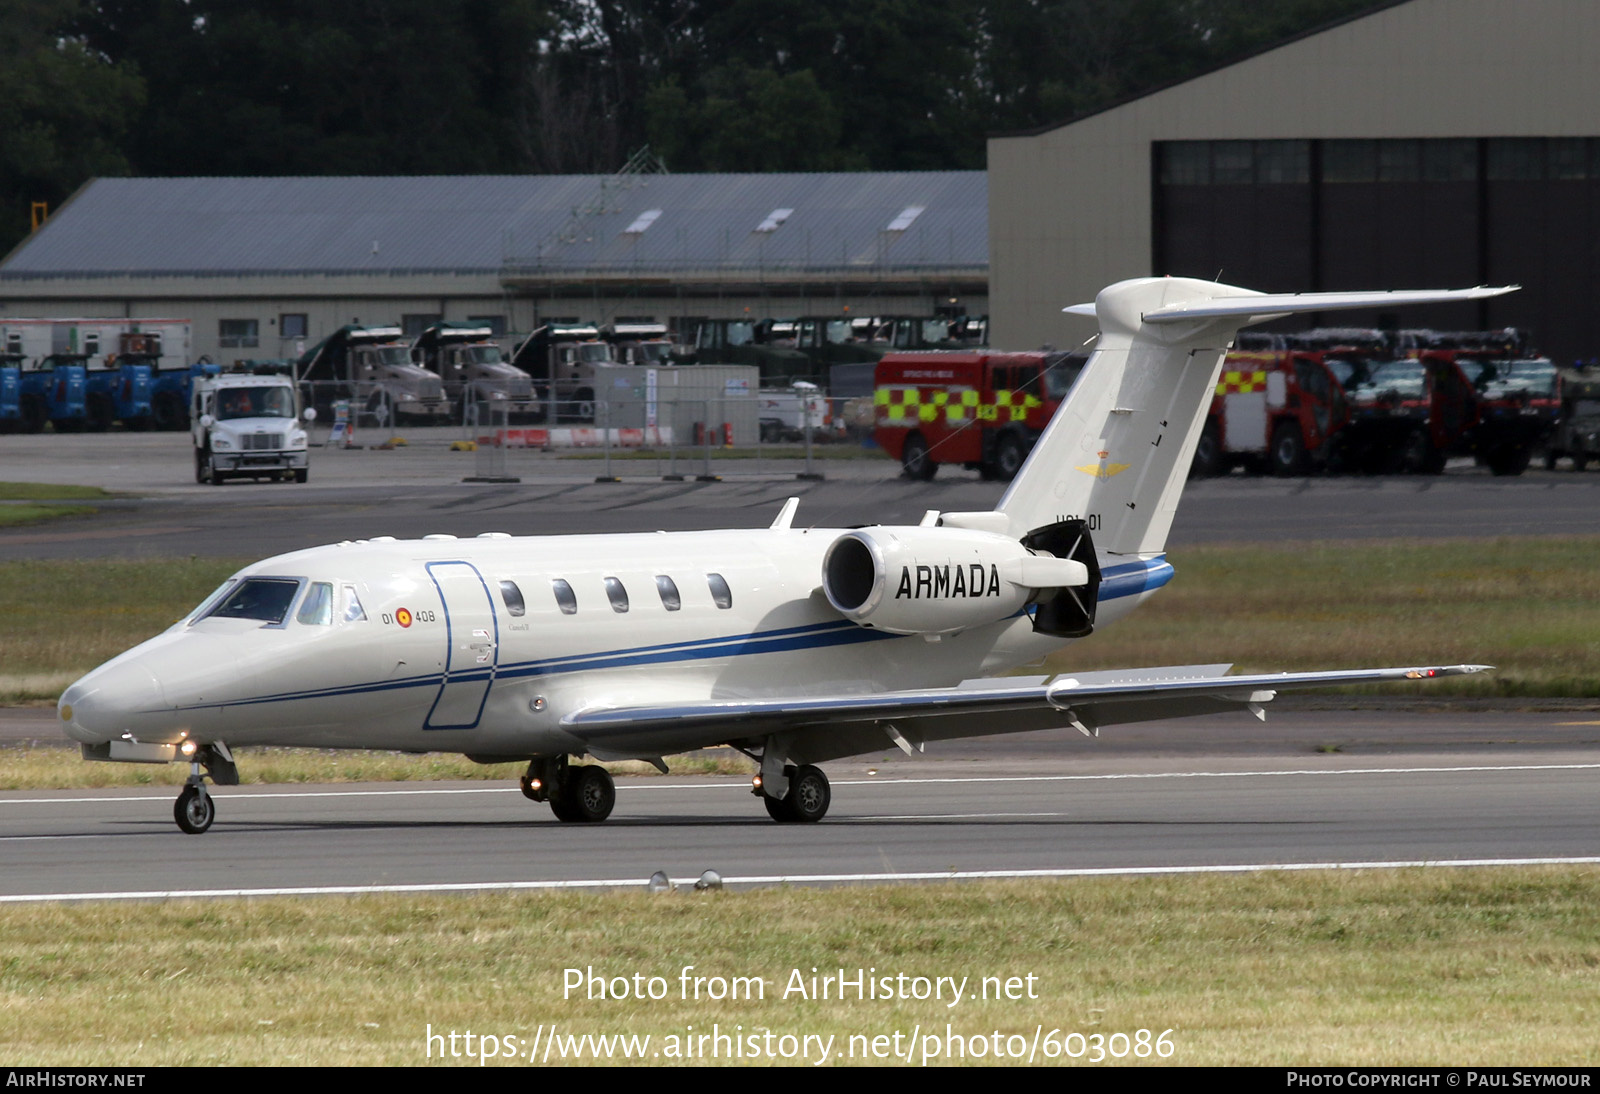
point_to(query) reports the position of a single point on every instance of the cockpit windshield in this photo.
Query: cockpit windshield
(263, 598)
(484, 355)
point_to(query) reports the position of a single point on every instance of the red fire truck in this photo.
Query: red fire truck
(983, 411)
(1277, 409)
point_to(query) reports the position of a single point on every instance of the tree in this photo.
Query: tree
(65, 110)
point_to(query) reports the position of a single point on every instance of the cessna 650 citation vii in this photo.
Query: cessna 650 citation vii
(793, 645)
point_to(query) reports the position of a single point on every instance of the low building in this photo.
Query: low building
(268, 266)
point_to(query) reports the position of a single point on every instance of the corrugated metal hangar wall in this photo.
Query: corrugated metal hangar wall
(1430, 143)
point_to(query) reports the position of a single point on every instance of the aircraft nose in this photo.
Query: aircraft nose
(112, 700)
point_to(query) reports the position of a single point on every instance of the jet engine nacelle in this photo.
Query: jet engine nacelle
(930, 580)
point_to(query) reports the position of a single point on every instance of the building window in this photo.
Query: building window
(238, 333)
(292, 324)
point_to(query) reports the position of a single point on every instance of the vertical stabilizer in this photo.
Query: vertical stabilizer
(1118, 450)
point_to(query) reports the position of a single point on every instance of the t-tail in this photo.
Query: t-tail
(1118, 450)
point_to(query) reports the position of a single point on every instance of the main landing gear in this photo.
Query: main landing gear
(806, 800)
(195, 810)
(579, 794)
(793, 794)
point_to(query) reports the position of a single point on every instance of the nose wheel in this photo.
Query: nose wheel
(194, 810)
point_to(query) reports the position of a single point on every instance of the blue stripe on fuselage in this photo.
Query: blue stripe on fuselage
(1123, 579)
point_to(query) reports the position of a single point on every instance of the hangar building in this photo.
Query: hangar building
(1425, 144)
(264, 266)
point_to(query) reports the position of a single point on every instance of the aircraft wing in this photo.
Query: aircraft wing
(828, 727)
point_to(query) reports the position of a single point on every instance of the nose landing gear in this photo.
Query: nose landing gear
(195, 809)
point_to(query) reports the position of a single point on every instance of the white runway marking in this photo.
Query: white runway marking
(792, 879)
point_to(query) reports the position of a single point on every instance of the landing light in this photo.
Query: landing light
(188, 748)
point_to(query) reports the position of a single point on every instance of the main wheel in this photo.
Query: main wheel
(807, 800)
(914, 459)
(1288, 453)
(587, 795)
(194, 810)
(1009, 455)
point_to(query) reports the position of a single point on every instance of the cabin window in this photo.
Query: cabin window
(564, 596)
(513, 598)
(353, 611)
(668, 589)
(316, 609)
(720, 593)
(617, 595)
(263, 598)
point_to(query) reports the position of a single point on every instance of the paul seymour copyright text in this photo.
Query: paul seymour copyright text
(930, 1043)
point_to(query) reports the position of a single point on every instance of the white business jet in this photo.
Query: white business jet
(793, 645)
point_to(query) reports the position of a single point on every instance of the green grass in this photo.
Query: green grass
(44, 491)
(1417, 967)
(60, 618)
(12, 515)
(1529, 606)
(58, 766)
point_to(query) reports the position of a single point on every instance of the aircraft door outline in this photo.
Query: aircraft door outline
(472, 652)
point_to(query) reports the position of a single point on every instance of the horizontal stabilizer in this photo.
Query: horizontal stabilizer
(1260, 307)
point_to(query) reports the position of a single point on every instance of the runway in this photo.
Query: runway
(1051, 808)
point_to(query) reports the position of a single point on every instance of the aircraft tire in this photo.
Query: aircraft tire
(914, 459)
(194, 810)
(587, 795)
(1288, 453)
(1009, 456)
(807, 800)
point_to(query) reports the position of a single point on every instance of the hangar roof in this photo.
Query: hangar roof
(657, 223)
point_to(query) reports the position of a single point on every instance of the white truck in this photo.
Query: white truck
(245, 425)
(792, 414)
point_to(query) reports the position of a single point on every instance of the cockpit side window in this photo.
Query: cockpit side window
(316, 610)
(353, 611)
(263, 598)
